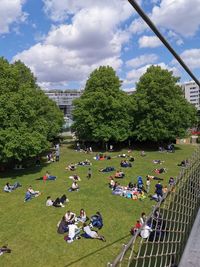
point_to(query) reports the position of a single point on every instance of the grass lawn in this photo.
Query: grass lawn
(30, 228)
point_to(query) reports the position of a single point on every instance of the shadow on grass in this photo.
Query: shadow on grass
(96, 251)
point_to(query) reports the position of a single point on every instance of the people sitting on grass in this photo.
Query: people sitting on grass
(97, 220)
(170, 148)
(125, 164)
(62, 226)
(74, 233)
(30, 193)
(71, 167)
(88, 233)
(58, 202)
(119, 174)
(158, 161)
(171, 181)
(74, 187)
(135, 228)
(152, 177)
(47, 176)
(75, 177)
(9, 188)
(102, 157)
(84, 163)
(4, 249)
(70, 217)
(184, 163)
(159, 171)
(82, 217)
(107, 169)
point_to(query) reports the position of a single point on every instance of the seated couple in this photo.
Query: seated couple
(47, 176)
(30, 193)
(71, 167)
(75, 177)
(84, 163)
(125, 164)
(9, 188)
(68, 218)
(58, 202)
(119, 174)
(107, 169)
(74, 187)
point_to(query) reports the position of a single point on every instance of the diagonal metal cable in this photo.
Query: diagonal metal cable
(162, 39)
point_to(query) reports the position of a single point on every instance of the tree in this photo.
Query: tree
(162, 111)
(29, 120)
(101, 114)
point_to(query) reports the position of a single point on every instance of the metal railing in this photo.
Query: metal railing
(170, 223)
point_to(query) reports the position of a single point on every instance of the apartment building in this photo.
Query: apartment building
(192, 93)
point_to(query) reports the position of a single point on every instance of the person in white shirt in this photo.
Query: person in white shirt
(49, 202)
(70, 217)
(73, 232)
(92, 234)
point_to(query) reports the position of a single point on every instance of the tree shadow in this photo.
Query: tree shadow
(96, 251)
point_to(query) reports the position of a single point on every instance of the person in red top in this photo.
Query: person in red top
(136, 227)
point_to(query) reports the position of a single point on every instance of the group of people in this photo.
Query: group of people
(77, 226)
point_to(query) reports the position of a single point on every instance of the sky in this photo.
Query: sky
(63, 41)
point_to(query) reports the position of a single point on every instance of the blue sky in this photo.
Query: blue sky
(63, 41)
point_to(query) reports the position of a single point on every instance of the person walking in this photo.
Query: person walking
(89, 175)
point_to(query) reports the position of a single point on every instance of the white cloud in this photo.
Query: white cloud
(11, 12)
(70, 52)
(135, 74)
(181, 16)
(192, 58)
(60, 10)
(149, 41)
(138, 26)
(142, 60)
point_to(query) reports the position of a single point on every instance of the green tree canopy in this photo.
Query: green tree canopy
(28, 118)
(102, 112)
(162, 111)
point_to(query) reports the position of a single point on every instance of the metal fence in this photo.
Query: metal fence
(170, 223)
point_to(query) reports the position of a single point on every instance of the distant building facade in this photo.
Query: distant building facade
(192, 93)
(64, 99)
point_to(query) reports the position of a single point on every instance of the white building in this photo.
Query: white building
(192, 93)
(64, 99)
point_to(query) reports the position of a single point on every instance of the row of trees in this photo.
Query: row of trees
(29, 120)
(157, 111)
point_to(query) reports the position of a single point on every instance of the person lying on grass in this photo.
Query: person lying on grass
(9, 188)
(152, 177)
(119, 174)
(47, 176)
(107, 169)
(84, 163)
(59, 202)
(162, 170)
(71, 167)
(125, 164)
(88, 233)
(4, 249)
(158, 161)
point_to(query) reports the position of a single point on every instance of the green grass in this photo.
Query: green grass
(30, 228)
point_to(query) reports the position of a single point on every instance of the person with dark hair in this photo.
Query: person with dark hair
(159, 190)
(97, 220)
(62, 226)
(82, 217)
(58, 201)
(89, 175)
(88, 233)
(9, 188)
(4, 249)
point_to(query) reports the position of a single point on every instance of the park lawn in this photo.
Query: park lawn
(30, 228)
